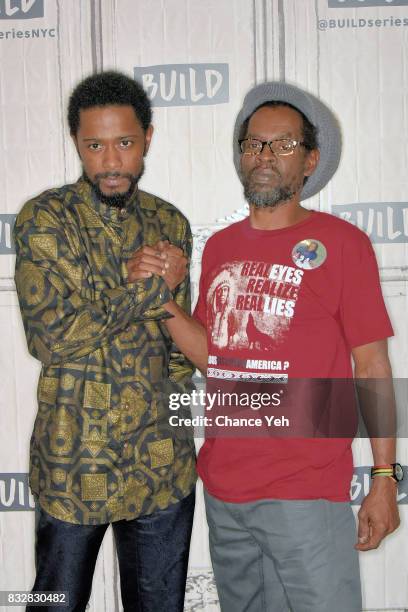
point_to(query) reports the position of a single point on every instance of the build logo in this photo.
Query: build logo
(6, 230)
(384, 222)
(21, 9)
(185, 84)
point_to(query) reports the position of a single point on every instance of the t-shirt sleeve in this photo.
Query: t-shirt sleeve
(200, 310)
(363, 312)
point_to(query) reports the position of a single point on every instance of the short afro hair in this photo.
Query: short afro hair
(109, 88)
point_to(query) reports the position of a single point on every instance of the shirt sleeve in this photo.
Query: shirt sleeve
(200, 310)
(180, 368)
(363, 312)
(61, 321)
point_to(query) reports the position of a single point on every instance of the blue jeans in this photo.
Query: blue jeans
(152, 553)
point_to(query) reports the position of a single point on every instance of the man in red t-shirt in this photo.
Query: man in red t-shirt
(288, 298)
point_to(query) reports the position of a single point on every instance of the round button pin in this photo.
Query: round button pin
(309, 254)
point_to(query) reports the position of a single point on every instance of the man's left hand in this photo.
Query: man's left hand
(378, 515)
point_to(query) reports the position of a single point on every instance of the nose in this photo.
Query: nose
(266, 154)
(111, 158)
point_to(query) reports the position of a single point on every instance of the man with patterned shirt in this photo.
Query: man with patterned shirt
(102, 450)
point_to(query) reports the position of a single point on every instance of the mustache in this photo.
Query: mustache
(270, 170)
(104, 175)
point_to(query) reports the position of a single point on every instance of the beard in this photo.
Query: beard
(271, 198)
(116, 200)
(267, 199)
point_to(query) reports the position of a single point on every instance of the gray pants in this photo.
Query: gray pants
(281, 556)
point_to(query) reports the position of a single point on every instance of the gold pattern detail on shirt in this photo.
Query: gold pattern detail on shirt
(32, 282)
(35, 478)
(74, 273)
(156, 368)
(43, 353)
(113, 505)
(44, 246)
(114, 416)
(59, 476)
(94, 487)
(76, 331)
(94, 442)
(75, 299)
(163, 498)
(62, 432)
(48, 318)
(148, 200)
(46, 219)
(57, 509)
(134, 405)
(153, 329)
(135, 494)
(133, 226)
(128, 361)
(26, 214)
(48, 389)
(161, 452)
(100, 259)
(183, 478)
(98, 356)
(89, 217)
(67, 382)
(97, 395)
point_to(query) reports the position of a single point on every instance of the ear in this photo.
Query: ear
(148, 138)
(311, 160)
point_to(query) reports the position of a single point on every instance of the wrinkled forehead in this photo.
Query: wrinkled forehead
(279, 120)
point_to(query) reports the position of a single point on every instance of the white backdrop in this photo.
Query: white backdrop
(197, 58)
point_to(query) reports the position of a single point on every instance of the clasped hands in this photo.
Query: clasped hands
(163, 259)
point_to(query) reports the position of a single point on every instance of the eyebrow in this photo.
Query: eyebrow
(118, 138)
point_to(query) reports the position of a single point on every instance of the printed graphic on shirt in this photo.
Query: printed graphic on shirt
(251, 304)
(309, 254)
(246, 369)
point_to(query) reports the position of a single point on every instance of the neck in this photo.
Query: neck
(284, 215)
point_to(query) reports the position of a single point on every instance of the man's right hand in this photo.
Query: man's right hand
(164, 259)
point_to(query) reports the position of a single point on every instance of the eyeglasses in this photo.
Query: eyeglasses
(282, 146)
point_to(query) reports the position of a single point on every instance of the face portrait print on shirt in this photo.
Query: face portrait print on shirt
(251, 304)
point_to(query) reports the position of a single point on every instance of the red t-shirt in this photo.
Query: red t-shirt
(280, 305)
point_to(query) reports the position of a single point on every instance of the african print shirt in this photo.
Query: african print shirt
(102, 448)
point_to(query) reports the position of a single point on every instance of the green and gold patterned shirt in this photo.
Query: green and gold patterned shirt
(102, 448)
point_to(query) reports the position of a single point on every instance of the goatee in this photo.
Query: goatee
(117, 200)
(271, 198)
(267, 199)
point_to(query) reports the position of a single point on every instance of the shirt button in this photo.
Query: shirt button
(124, 213)
(126, 406)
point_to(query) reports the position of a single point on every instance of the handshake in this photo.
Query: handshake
(163, 259)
